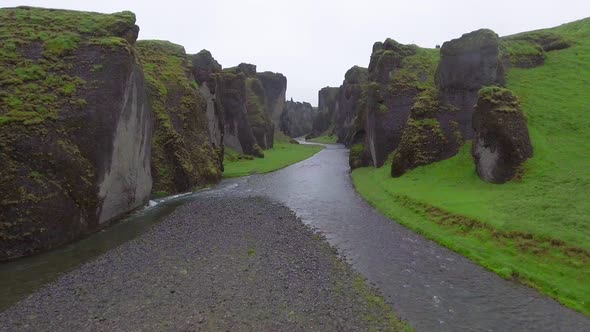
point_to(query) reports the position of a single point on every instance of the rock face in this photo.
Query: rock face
(397, 74)
(326, 106)
(297, 118)
(247, 107)
(441, 118)
(348, 103)
(183, 157)
(75, 126)
(501, 143)
(204, 68)
(275, 88)
(466, 65)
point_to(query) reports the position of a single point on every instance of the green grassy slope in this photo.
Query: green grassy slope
(281, 155)
(325, 139)
(536, 230)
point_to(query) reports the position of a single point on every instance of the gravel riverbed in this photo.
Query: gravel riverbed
(216, 264)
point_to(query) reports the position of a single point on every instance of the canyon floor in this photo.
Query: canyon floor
(214, 264)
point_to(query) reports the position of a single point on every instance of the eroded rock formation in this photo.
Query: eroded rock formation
(326, 105)
(75, 126)
(297, 118)
(501, 143)
(183, 157)
(348, 103)
(248, 107)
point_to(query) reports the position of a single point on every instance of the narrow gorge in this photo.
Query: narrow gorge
(144, 186)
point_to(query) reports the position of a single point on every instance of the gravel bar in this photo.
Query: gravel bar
(216, 264)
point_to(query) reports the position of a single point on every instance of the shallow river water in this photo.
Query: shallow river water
(432, 287)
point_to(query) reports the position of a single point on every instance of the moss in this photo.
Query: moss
(500, 96)
(416, 71)
(37, 53)
(182, 156)
(356, 155)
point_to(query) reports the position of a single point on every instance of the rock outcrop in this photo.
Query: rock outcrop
(75, 126)
(397, 74)
(204, 68)
(327, 98)
(466, 65)
(501, 143)
(441, 117)
(183, 157)
(348, 103)
(297, 118)
(248, 107)
(275, 88)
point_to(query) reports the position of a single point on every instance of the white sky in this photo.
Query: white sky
(314, 42)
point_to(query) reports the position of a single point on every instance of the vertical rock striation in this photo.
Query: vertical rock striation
(183, 156)
(75, 126)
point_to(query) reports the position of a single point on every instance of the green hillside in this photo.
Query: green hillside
(536, 229)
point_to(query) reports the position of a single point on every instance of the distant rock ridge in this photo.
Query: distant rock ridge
(297, 118)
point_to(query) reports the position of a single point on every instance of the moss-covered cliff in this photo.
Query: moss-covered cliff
(182, 155)
(74, 125)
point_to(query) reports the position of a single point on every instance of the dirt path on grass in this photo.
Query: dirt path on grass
(216, 264)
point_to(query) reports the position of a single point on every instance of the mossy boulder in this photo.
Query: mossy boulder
(75, 126)
(297, 118)
(183, 158)
(425, 138)
(502, 143)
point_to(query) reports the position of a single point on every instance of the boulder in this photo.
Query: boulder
(297, 118)
(183, 156)
(501, 143)
(425, 139)
(75, 126)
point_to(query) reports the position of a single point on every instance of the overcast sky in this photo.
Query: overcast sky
(314, 42)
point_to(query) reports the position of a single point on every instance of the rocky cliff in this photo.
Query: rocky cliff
(204, 68)
(75, 126)
(348, 103)
(297, 118)
(183, 157)
(397, 74)
(326, 106)
(248, 107)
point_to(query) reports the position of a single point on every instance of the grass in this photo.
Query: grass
(325, 139)
(280, 156)
(536, 229)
